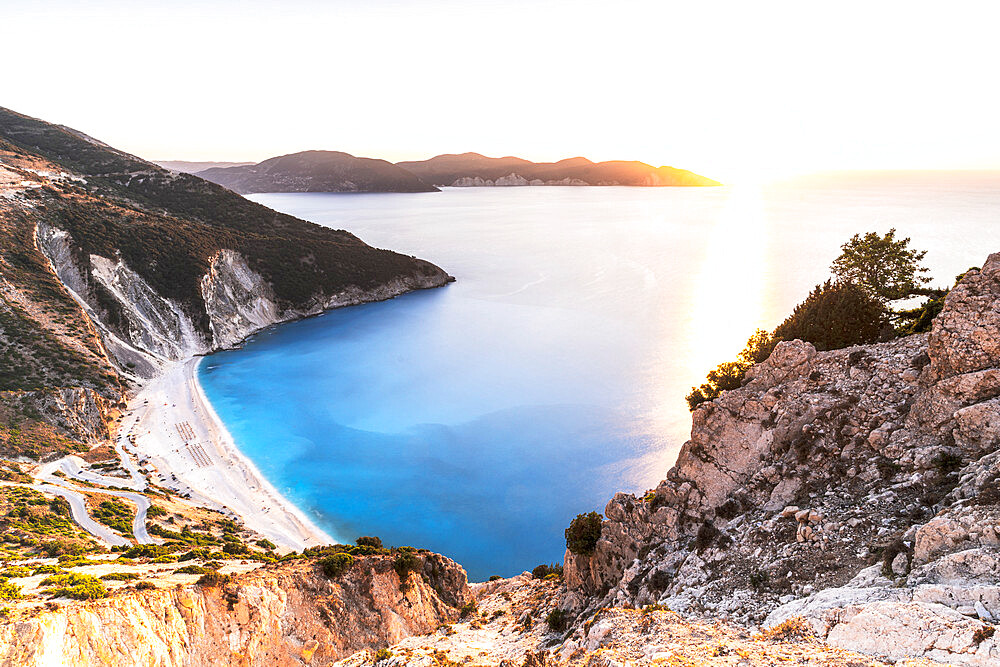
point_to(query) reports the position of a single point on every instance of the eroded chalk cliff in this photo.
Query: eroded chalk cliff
(287, 614)
(143, 329)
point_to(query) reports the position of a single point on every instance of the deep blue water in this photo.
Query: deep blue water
(479, 418)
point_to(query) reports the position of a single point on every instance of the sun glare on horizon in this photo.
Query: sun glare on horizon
(734, 91)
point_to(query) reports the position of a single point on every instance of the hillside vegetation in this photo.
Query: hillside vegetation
(164, 226)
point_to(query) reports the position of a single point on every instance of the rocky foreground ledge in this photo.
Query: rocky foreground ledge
(281, 614)
(858, 489)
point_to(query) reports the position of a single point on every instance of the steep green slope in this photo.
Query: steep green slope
(168, 226)
(58, 384)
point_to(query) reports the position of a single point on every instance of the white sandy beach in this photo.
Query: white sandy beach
(178, 434)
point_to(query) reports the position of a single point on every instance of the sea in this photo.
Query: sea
(478, 419)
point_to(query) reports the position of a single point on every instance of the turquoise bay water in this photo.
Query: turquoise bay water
(479, 418)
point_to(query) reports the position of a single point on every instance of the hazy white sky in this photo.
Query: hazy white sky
(723, 88)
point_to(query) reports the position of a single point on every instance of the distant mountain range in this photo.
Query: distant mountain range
(473, 169)
(187, 167)
(334, 171)
(317, 171)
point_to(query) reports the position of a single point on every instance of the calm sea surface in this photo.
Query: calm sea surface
(479, 418)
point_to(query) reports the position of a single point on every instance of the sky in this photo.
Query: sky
(727, 89)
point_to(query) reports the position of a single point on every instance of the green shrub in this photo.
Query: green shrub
(468, 608)
(120, 576)
(9, 591)
(335, 565)
(544, 571)
(919, 319)
(236, 549)
(115, 514)
(834, 316)
(405, 563)
(369, 541)
(55, 548)
(75, 585)
(583, 533)
(495, 577)
(214, 579)
(147, 551)
(145, 585)
(382, 654)
(193, 569)
(15, 571)
(557, 620)
(266, 544)
(729, 375)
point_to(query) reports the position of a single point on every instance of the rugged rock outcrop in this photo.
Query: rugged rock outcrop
(857, 488)
(280, 615)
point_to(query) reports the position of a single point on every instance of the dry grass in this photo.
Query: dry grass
(793, 629)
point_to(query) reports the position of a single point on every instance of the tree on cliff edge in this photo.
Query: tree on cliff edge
(887, 268)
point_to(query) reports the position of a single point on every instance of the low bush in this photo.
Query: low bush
(14, 571)
(214, 580)
(75, 585)
(583, 533)
(835, 316)
(147, 551)
(729, 375)
(120, 576)
(789, 630)
(557, 620)
(236, 549)
(369, 541)
(9, 591)
(335, 565)
(405, 563)
(115, 514)
(193, 569)
(544, 571)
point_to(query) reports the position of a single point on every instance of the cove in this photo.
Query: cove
(477, 419)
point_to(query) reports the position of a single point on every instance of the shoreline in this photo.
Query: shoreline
(178, 433)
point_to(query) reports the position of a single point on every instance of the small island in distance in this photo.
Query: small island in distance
(335, 171)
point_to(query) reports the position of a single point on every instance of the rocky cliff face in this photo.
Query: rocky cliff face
(151, 329)
(855, 487)
(280, 615)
